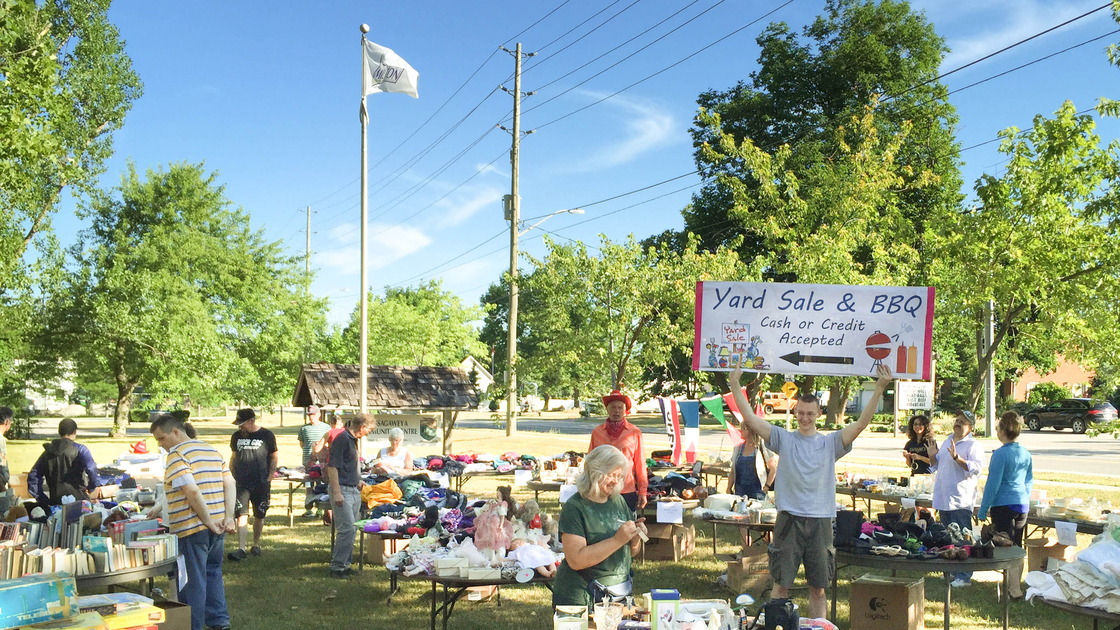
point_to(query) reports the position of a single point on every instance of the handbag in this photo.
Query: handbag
(612, 594)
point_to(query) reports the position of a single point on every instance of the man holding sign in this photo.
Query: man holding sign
(806, 482)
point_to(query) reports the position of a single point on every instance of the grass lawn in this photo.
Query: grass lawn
(288, 586)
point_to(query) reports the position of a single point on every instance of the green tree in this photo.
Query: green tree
(806, 91)
(65, 87)
(171, 289)
(1038, 246)
(421, 325)
(1108, 106)
(597, 319)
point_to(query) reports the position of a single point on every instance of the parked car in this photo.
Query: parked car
(1075, 413)
(777, 401)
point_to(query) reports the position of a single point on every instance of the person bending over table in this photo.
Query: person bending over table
(598, 532)
(753, 467)
(918, 448)
(1007, 492)
(956, 468)
(394, 460)
(806, 478)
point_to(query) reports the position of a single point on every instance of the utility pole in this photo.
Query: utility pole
(990, 374)
(513, 213)
(307, 253)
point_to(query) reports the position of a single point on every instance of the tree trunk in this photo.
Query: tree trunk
(838, 394)
(547, 398)
(125, 388)
(809, 385)
(575, 398)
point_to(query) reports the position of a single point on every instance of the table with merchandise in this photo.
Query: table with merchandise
(453, 589)
(898, 563)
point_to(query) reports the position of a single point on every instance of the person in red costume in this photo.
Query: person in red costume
(627, 438)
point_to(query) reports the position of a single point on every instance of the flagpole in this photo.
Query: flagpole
(363, 356)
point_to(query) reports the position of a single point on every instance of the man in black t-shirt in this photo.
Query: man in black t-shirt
(345, 479)
(253, 464)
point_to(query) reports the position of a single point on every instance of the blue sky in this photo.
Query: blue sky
(267, 94)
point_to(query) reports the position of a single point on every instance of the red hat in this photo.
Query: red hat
(619, 396)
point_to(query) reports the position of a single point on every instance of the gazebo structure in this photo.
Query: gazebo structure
(423, 389)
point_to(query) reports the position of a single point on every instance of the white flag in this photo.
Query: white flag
(384, 71)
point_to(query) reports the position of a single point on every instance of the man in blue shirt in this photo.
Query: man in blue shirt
(64, 468)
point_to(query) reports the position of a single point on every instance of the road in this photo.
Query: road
(1053, 451)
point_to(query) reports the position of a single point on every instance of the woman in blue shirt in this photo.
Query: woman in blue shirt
(753, 467)
(1007, 492)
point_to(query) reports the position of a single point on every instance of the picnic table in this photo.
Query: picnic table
(542, 486)
(145, 575)
(453, 589)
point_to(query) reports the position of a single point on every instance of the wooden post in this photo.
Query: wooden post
(445, 430)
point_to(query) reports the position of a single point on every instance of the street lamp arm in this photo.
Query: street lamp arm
(547, 217)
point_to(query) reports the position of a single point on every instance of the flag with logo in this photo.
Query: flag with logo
(384, 71)
(690, 418)
(714, 405)
(672, 426)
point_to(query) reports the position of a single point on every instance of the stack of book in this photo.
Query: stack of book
(27, 549)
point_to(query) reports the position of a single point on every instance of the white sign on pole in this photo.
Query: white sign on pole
(813, 328)
(914, 395)
(410, 425)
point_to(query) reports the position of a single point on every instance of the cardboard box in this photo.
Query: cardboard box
(484, 574)
(18, 483)
(885, 603)
(680, 542)
(751, 574)
(1041, 550)
(378, 549)
(481, 593)
(451, 563)
(177, 616)
(37, 598)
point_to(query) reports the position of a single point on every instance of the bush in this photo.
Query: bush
(495, 405)
(1045, 393)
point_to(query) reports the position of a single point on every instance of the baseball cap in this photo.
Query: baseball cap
(245, 415)
(312, 410)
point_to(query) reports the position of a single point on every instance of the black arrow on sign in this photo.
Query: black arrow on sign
(797, 358)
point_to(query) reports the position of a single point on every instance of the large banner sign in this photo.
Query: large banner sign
(813, 328)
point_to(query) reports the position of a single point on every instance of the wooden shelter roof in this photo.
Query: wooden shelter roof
(335, 385)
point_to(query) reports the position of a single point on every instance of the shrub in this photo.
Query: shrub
(1045, 393)
(495, 405)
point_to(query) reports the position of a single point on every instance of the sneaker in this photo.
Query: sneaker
(218, 627)
(256, 551)
(959, 583)
(309, 514)
(343, 574)
(237, 556)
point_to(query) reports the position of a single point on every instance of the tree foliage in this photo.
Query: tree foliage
(171, 289)
(65, 87)
(797, 105)
(589, 322)
(421, 325)
(1039, 247)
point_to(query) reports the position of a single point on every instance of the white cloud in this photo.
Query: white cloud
(345, 233)
(484, 169)
(645, 127)
(386, 246)
(473, 274)
(1009, 21)
(465, 202)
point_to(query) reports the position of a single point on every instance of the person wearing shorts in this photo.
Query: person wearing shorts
(806, 489)
(253, 463)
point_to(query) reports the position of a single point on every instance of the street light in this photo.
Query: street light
(515, 232)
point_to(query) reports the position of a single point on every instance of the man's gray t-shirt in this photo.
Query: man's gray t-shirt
(805, 484)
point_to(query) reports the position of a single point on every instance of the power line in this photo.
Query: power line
(1000, 51)
(581, 37)
(665, 69)
(526, 29)
(679, 27)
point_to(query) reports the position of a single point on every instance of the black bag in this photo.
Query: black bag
(781, 613)
(848, 527)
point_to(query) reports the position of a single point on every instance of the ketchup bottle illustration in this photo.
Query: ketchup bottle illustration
(900, 366)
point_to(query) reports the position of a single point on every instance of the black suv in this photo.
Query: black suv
(1075, 413)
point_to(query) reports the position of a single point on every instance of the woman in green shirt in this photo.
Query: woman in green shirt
(598, 532)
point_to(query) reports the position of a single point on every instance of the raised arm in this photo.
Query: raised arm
(758, 425)
(852, 430)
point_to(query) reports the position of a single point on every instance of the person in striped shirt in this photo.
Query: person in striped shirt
(200, 501)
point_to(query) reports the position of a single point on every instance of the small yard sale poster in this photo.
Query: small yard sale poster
(820, 329)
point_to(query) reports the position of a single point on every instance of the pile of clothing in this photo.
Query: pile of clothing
(1091, 581)
(458, 465)
(674, 484)
(494, 533)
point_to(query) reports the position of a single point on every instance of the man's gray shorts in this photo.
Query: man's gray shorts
(797, 540)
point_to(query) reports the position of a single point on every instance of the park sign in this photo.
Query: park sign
(820, 329)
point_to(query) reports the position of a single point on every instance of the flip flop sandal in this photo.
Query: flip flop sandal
(902, 553)
(881, 550)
